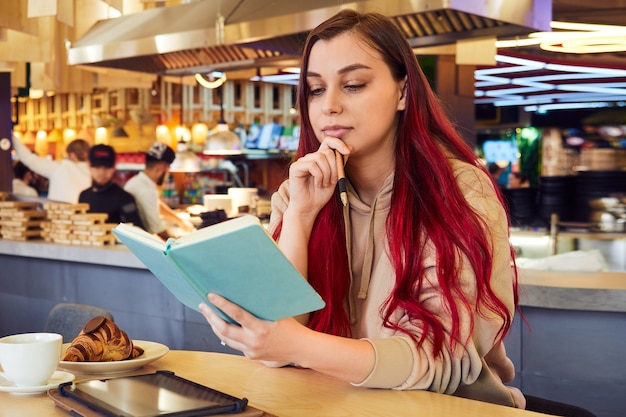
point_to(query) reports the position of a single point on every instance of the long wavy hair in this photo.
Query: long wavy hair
(426, 201)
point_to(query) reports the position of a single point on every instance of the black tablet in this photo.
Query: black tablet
(159, 394)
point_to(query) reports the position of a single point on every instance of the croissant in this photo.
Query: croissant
(101, 340)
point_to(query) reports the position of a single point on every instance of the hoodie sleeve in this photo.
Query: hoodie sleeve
(280, 201)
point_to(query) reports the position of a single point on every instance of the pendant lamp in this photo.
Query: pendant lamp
(223, 141)
(185, 160)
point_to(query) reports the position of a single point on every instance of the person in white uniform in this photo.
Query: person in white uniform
(68, 177)
(143, 187)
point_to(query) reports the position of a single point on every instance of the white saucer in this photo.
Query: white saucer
(59, 377)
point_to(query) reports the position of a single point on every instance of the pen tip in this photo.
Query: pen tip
(344, 199)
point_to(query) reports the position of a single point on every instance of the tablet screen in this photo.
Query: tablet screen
(158, 394)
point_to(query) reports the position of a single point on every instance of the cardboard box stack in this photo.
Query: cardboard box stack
(71, 224)
(21, 220)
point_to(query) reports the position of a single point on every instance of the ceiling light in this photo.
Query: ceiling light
(574, 38)
(529, 81)
(563, 106)
(586, 69)
(223, 141)
(213, 80)
(584, 26)
(517, 43)
(523, 62)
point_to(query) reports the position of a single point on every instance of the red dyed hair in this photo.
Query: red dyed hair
(423, 184)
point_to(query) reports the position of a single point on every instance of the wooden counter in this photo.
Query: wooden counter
(287, 392)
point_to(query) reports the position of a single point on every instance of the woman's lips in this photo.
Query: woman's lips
(336, 131)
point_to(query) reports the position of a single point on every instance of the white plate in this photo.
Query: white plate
(58, 378)
(152, 352)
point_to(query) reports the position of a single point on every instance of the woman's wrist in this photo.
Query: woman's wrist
(303, 221)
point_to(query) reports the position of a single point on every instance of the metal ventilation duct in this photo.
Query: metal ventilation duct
(189, 38)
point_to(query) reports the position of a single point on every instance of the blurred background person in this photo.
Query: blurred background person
(495, 170)
(67, 178)
(518, 180)
(24, 180)
(104, 195)
(144, 187)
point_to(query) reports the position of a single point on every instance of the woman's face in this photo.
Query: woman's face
(353, 95)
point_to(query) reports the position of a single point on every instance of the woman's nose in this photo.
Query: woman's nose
(332, 102)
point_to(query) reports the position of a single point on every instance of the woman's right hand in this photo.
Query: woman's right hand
(313, 178)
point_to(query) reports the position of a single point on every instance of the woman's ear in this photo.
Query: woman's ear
(403, 92)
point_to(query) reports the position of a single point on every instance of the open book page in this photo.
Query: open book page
(237, 259)
(245, 265)
(140, 234)
(216, 230)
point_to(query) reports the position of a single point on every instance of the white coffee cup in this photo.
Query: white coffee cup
(243, 197)
(30, 359)
(214, 202)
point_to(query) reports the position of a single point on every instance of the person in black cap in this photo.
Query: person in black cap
(104, 195)
(143, 187)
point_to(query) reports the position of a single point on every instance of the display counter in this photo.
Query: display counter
(571, 349)
(592, 291)
(571, 345)
(112, 255)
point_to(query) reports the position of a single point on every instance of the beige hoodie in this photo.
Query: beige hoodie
(400, 364)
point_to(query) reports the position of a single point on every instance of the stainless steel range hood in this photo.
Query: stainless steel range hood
(191, 37)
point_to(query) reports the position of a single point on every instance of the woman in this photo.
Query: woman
(417, 270)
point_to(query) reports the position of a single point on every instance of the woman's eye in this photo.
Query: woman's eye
(354, 87)
(316, 91)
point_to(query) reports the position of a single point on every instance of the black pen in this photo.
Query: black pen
(343, 193)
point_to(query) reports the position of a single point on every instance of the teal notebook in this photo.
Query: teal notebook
(236, 259)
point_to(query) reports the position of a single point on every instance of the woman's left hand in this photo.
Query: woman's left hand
(255, 338)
